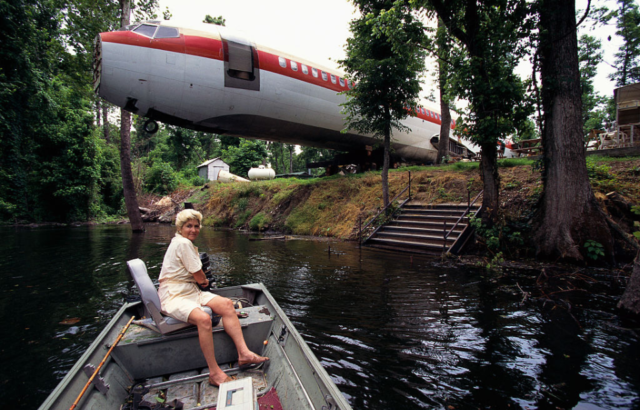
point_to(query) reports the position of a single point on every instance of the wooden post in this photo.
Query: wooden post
(409, 184)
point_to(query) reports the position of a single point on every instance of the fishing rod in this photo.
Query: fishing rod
(95, 373)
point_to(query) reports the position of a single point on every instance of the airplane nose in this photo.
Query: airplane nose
(97, 63)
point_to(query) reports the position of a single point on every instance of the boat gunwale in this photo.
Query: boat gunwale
(83, 360)
(319, 372)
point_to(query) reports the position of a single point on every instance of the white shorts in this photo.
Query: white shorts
(178, 299)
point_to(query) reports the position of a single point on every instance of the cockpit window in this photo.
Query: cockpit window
(130, 27)
(146, 30)
(282, 61)
(167, 32)
(314, 72)
(294, 66)
(333, 78)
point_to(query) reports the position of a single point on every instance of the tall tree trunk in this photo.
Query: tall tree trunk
(569, 214)
(491, 181)
(98, 112)
(445, 113)
(385, 164)
(131, 202)
(291, 159)
(445, 128)
(105, 122)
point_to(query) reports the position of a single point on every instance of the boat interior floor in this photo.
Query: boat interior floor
(193, 391)
(196, 393)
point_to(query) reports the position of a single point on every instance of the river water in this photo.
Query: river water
(393, 331)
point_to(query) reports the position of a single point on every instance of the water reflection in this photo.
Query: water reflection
(394, 332)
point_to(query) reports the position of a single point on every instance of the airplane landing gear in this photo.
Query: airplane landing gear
(151, 126)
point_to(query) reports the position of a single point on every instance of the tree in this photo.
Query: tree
(131, 202)
(384, 61)
(493, 35)
(589, 56)
(628, 57)
(250, 153)
(569, 214)
(220, 21)
(444, 43)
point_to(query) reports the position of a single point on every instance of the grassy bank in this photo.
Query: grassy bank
(333, 206)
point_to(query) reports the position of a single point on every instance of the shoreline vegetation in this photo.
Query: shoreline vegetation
(333, 207)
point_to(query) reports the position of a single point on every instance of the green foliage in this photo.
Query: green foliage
(491, 44)
(445, 195)
(242, 203)
(242, 219)
(247, 155)
(594, 249)
(384, 60)
(628, 57)
(597, 172)
(161, 178)
(220, 21)
(594, 106)
(514, 162)
(259, 222)
(501, 237)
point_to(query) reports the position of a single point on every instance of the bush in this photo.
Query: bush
(259, 222)
(597, 172)
(161, 178)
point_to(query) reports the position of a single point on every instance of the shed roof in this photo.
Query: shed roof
(204, 164)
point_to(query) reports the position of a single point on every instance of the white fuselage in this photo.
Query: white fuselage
(212, 80)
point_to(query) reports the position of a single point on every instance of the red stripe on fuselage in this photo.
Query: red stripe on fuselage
(212, 48)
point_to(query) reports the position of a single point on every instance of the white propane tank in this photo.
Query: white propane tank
(261, 173)
(224, 176)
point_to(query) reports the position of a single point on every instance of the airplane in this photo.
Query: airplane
(208, 78)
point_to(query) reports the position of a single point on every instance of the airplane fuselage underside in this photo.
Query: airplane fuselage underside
(185, 81)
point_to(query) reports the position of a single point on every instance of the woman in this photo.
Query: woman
(181, 298)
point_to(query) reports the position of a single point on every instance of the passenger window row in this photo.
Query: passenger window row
(314, 72)
(433, 114)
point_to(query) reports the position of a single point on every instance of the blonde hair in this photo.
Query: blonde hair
(186, 215)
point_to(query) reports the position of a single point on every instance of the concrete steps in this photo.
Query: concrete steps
(421, 228)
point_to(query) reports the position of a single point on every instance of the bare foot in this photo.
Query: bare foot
(219, 378)
(251, 358)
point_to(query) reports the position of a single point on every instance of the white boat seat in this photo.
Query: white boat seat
(160, 322)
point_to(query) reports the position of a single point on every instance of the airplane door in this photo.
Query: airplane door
(241, 65)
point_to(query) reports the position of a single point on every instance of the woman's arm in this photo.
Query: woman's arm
(200, 278)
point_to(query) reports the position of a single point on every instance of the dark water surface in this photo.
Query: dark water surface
(393, 333)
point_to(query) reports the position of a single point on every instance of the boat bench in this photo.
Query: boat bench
(179, 352)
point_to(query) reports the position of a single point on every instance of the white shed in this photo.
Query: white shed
(209, 169)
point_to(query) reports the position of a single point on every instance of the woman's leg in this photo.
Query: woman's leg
(224, 307)
(203, 321)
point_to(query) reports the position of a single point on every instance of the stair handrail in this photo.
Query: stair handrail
(463, 214)
(362, 228)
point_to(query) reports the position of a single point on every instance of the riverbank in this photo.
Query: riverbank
(334, 207)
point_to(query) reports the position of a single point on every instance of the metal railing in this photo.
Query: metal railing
(384, 210)
(470, 203)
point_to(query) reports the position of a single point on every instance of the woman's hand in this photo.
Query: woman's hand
(205, 287)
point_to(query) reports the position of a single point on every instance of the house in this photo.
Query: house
(628, 114)
(209, 169)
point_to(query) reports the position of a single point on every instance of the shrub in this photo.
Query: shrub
(161, 178)
(259, 222)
